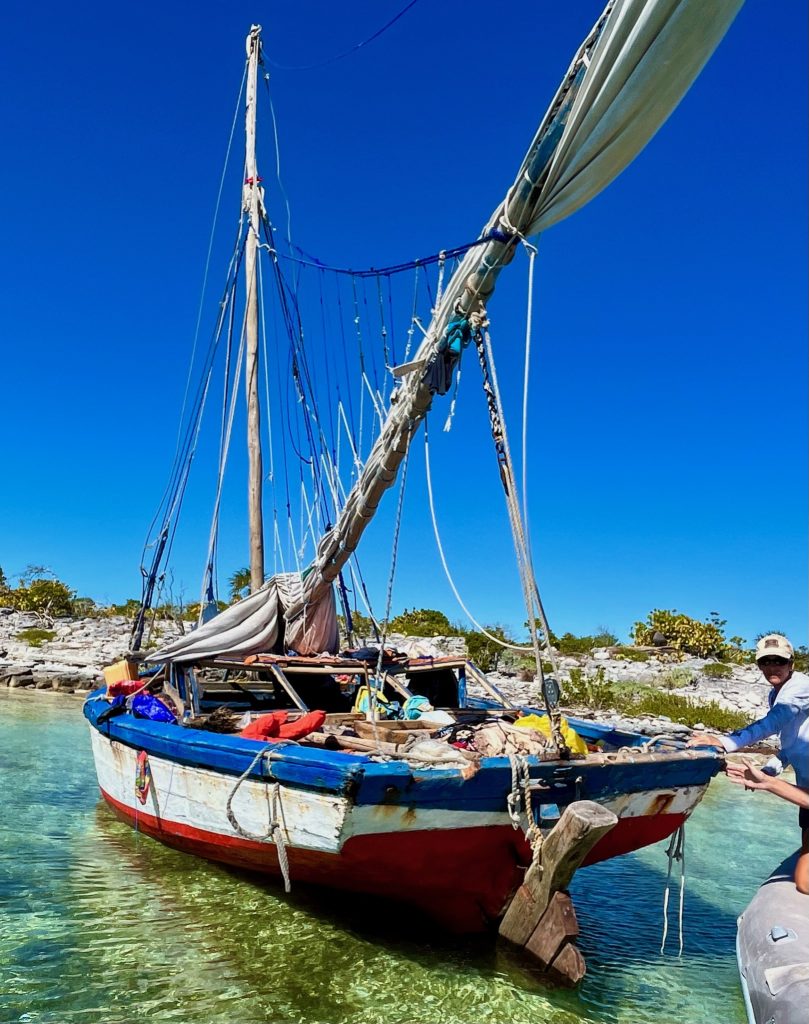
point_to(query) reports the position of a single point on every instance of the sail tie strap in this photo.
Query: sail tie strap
(275, 831)
(675, 852)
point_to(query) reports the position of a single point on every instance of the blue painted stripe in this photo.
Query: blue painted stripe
(379, 783)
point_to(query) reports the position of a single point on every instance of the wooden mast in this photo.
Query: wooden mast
(252, 202)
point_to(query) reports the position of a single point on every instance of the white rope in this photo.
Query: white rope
(278, 166)
(210, 250)
(533, 604)
(675, 851)
(357, 463)
(440, 546)
(454, 402)
(275, 831)
(411, 328)
(532, 252)
(519, 802)
(223, 458)
(442, 259)
(266, 362)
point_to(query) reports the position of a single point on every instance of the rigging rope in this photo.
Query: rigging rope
(208, 255)
(533, 603)
(389, 596)
(532, 252)
(442, 556)
(493, 235)
(348, 52)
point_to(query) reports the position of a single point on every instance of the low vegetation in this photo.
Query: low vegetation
(35, 637)
(677, 678)
(717, 670)
(631, 654)
(597, 693)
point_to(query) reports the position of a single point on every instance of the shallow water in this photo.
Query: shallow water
(100, 924)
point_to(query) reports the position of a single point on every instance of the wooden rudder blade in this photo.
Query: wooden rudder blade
(541, 917)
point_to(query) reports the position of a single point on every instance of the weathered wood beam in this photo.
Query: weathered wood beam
(541, 917)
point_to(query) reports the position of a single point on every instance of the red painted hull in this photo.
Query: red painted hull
(461, 877)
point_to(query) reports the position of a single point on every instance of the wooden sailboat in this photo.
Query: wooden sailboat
(349, 800)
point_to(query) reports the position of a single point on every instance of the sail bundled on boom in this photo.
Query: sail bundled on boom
(258, 624)
(627, 77)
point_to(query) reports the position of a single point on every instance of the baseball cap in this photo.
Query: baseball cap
(774, 645)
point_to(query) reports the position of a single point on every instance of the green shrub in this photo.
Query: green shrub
(421, 622)
(676, 678)
(717, 670)
(591, 691)
(486, 653)
(682, 632)
(631, 654)
(48, 597)
(35, 637)
(129, 609)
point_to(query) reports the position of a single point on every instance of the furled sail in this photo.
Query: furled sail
(628, 76)
(256, 624)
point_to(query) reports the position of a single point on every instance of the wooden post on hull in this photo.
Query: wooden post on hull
(540, 917)
(252, 203)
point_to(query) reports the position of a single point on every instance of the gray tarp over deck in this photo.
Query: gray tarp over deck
(252, 626)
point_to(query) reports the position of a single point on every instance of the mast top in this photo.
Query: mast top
(253, 38)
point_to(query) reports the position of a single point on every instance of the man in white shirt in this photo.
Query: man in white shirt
(788, 717)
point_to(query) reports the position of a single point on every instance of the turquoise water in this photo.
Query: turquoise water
(99, 924)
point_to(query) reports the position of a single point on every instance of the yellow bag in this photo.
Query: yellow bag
(362, 702)
(542, 724)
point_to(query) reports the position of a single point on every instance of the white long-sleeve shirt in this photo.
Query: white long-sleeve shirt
(788, 717)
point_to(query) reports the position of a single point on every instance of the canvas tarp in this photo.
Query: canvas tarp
(252, 626)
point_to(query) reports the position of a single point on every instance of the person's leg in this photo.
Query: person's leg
(802, 867)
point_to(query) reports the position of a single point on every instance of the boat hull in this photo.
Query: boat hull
(453, 855)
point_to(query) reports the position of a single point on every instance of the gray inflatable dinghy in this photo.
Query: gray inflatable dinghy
(772, 947)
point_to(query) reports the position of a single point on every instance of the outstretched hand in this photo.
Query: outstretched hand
(744, 773)
(705, 739)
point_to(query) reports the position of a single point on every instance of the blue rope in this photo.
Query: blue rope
(495, 235)
(348, 52)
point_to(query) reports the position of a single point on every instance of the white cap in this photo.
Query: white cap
(773, 645)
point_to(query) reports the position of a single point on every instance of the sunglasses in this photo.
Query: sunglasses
(773, 661)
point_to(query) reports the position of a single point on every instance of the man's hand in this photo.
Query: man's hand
(743, 773)
(705, 739)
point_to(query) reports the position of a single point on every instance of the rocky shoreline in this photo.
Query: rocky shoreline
(73, 660)
(72, 663)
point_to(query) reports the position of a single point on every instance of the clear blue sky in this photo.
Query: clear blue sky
(669, 413)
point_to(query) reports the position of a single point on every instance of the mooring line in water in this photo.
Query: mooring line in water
(675, 851)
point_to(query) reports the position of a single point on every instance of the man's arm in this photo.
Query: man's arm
(747, 775)
(773, 722)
